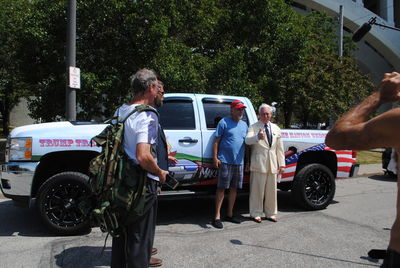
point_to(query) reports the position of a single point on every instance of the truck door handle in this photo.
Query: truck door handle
(189, 140)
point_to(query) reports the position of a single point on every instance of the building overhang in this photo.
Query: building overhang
(385, 41)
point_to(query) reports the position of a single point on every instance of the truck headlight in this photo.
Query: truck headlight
(19, 149)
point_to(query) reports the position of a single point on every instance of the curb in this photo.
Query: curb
(369, 170)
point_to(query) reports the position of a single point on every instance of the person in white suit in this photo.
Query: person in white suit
(266, 162)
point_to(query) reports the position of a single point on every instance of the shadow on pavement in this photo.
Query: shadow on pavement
(20, 221)
(385, 178)
(199, 211)
(240, 243)
(84, 256)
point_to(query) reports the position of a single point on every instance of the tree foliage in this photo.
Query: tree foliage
(11, 86)
(256, 48)
(327, 85)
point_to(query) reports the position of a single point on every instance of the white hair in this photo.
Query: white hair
(266, 106)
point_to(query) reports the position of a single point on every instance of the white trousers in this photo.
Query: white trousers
(263, 197)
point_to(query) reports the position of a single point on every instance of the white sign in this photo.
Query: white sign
(74, 77)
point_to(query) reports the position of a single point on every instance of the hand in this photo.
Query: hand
(163, 176)
(246, 168)
(261, 134)
(217, 162)
(172, 160)
(281, 170)
(389, 88)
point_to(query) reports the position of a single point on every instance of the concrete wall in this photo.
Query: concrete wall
(19, 115)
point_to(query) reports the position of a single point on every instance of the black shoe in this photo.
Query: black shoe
(377, 253)
(232, 219)
(217, 224)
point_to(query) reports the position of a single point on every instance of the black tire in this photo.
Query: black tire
(58, 201)
(314, 187)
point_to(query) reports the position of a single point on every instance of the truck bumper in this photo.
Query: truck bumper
(16, 180)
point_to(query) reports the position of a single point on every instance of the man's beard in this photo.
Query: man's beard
(158, 102)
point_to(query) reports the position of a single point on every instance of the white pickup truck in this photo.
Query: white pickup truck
(49, 162)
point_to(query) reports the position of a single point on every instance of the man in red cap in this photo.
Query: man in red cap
(228, 156)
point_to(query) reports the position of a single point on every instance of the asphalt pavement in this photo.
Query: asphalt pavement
(359, 219)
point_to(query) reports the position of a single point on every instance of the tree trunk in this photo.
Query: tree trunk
(287, 114)
(5, 112)
(304, 118)
(6, 123)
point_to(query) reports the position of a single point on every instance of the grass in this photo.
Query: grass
(368, 157)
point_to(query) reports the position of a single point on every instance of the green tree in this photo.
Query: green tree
(257, 48)
(42, 52)
(11, 86)
(327, 85)
(115, 38)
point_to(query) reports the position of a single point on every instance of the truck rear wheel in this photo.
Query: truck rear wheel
(58, 201)
(314, 187)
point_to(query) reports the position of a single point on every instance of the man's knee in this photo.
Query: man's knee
(220, 192)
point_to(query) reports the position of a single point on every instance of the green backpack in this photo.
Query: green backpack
(118, 184)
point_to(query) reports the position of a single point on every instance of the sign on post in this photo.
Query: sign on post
(74, 77)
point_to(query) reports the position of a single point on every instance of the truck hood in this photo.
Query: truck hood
(57, 129)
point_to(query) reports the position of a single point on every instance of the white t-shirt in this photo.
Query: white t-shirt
(139, 128)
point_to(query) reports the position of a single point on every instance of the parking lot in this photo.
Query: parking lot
(358, 220)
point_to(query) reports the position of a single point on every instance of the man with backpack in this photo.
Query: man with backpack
(134, 247)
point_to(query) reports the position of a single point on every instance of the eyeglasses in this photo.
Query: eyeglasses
(160, 89)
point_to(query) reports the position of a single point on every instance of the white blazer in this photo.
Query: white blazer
(265, 158)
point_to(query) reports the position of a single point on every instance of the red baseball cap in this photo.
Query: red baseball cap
(237, 104)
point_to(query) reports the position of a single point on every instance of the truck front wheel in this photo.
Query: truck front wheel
(314, 187)
(58, 201)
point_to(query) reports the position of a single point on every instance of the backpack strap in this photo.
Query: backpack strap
(141, 108)
(145, 108)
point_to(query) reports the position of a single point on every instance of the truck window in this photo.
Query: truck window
(177, 114)
(215, 110)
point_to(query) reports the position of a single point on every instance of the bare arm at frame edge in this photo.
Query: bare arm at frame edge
(354, 131)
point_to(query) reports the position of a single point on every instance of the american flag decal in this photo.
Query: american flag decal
(344, 161)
